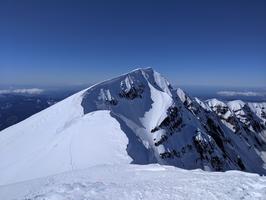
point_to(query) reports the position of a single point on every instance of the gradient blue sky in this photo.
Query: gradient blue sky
(214, 42)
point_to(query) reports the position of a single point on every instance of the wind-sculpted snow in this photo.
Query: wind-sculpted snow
(139, 182)
(136, 118)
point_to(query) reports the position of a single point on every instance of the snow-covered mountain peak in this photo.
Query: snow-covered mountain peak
(236, 104)
(134, 118)
(215, 102)
(132, 84)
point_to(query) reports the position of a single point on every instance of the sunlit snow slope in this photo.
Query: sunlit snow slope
(135, 118)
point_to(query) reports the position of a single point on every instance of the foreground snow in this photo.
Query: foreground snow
(139, 182)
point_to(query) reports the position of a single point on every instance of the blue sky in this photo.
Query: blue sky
(213, 43)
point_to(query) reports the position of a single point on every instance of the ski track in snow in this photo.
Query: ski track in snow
(139, 182)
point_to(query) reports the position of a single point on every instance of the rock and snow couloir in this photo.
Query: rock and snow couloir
(135, 118)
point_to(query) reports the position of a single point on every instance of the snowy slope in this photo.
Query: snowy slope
(81, 131)
(144, 182)
(75, 144)
(135, 118)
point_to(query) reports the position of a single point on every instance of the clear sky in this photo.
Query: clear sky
(214, 42)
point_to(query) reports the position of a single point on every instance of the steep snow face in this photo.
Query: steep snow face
(247, 124)
(202, 104)
(225, 114)
(146, 182)
(135, 118)
(223, 141)
(250, 115)
(139, 101)
(242, 112)
(259, 109)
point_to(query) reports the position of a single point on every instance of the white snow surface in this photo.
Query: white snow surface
(135, 118)
(236, 105)
(139, 182)
(215, 102)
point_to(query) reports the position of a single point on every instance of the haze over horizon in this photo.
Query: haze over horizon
(221, 43)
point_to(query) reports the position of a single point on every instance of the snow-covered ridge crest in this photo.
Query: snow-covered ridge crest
(134, 118)
(75, 133)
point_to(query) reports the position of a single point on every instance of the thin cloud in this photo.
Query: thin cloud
(236, 93)
(31, 91)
